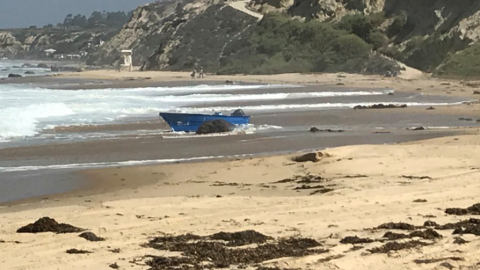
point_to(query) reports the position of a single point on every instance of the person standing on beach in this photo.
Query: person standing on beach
(200, 74)
(193, 73)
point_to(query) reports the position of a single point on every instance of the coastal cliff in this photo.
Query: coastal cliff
(175, 35)
(32, 43)
(431, 35)
(9, 45)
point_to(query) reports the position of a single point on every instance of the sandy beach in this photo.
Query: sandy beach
(348, 192)
(332, 214)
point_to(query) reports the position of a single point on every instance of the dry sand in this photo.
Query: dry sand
(369, 189)
(411, 80)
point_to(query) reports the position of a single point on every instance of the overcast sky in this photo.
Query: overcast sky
(23, 13)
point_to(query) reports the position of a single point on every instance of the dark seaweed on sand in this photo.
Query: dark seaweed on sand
(459, 225)
(428, 261)
(241, 238)
(460, 241)
(77, 251)
(428, 234)
(430, 223)
(47, 224)
(356, 240)
(472, 210)
(397, 226)
(396, 246)
(198, 251)
(470, 229)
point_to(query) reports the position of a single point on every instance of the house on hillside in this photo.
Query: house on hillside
(49, 52)
(83, 53)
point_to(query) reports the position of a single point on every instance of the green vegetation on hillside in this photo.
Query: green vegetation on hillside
(429, 54)
(366, 27)
(96, 20)
(279, 44)
(463, 64)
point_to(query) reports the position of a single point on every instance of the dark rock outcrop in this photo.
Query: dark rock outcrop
(89, 236)
(215, 126)
(315, 129)
(29, 72)
(11, 75)
(238, 112)
(313, 157)
(417, 128)
(380, 106)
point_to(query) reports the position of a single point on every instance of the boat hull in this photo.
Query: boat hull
(191, 122)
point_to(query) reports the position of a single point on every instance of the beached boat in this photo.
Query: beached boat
(191, 122)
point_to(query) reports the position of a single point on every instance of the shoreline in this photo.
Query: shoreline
(116, 144)
(363, 179)
(95, 184)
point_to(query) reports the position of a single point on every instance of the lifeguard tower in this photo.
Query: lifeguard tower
(127, 60)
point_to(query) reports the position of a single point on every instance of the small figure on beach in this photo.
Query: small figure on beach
(200, 74)
(193, 73)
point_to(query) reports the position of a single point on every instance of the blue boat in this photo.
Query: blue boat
(191, 122)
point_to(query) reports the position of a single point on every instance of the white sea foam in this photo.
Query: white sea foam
(241, 129)
(270, 96)
(22, 121)
(25, 110)
(197, 88)
(307, 106)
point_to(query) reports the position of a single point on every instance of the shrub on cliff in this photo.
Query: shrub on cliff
(279, 44)
(430, 53)
(463, 64)
(377, 39)
(398, 24)
(366, 27)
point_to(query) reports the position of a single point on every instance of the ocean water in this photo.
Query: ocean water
(15, 67)
(26, 110)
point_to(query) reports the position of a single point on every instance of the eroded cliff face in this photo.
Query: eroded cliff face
(201, 40)
(9, 45)
(442, 17)
(425, 17)
(148, 26)
(176, 35)
(317, 9)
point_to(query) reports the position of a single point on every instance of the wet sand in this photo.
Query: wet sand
(39, 167)
(143, 140)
